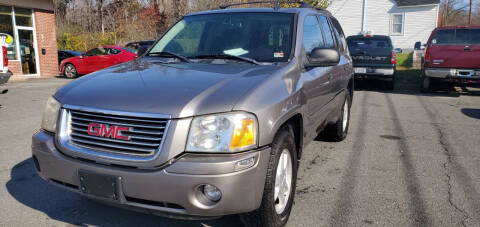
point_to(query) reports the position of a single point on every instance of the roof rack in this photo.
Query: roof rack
(276, 6)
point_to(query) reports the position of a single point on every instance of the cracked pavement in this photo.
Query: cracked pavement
(410, 159)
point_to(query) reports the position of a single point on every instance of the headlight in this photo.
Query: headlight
(50, 115)
(231, 132)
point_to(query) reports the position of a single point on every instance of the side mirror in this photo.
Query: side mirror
(322, 57)
(419, 46)
(82, 56)
(142, 50)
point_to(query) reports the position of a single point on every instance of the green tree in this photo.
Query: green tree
(319, 3)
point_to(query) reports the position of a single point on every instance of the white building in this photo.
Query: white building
(405, 21)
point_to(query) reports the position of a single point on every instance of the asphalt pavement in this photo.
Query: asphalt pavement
(410, 159)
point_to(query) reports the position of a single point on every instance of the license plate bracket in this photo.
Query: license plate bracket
(99, 185)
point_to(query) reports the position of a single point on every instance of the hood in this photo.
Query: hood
(179, 90)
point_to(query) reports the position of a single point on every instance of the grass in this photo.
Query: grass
(405, 60)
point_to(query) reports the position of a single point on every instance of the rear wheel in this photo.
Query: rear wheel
(70, 71)
(338, 131)
(391, 84)
(427, 84)
(280, 183)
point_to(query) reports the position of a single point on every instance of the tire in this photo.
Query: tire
(426, 84)
(391, 84)
(70, 71)
(338, 132)
(273, 212)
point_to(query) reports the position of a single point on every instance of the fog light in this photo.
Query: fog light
(212, 193)
(244, 164)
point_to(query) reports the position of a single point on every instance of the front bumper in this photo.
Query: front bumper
(448, 73)
(172, 190)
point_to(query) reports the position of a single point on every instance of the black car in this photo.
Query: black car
(136, 45)
(373, 57)
(64, 54)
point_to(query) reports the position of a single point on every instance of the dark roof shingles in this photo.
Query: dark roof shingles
(416, 2)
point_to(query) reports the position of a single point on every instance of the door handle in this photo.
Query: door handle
(467, 49)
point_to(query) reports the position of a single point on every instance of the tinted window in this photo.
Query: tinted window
(369, 43)
(112, 51)
(339, 38)
(265, 37)
(444, 36)
(462, 36)
(475, 36)
(327, 32)
(128, 49)
(96, 52)
(312, 35)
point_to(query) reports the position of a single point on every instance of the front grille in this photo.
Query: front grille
(146, 134)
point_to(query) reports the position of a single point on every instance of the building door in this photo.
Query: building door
(27, 51)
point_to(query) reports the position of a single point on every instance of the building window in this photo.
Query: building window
(23, 17)
(397, 24)
(7, 27)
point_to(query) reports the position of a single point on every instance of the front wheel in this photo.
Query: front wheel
(70, 71)
(280, 184)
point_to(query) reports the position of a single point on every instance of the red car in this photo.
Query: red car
(94, 60)
(452, 55)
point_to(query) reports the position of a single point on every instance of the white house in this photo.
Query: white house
(405, 21)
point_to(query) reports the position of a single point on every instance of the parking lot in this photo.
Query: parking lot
(410, 159)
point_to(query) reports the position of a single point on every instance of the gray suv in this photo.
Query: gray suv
(210, 121)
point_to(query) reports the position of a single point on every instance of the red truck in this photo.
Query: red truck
(452, 56)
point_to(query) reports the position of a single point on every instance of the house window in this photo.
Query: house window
(397, 24)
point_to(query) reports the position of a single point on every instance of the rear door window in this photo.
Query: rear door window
(475, 36)
(462, 36)
(339, 34)
(327, 32)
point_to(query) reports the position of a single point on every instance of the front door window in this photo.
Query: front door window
(27, 52)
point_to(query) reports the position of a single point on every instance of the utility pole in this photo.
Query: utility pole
(470, 14)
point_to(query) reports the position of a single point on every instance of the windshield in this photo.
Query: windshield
(368, 43)
(264, 37)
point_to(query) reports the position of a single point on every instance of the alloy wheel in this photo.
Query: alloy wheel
(283, 181)
(345, 116)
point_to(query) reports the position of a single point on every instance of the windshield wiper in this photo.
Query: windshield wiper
(228, 56)
(169, 54)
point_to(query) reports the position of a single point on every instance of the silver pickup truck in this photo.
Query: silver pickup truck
(211, 120)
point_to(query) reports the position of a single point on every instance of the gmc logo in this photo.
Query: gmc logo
(112, 131)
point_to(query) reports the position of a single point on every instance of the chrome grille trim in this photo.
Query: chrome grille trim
(146, 136)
